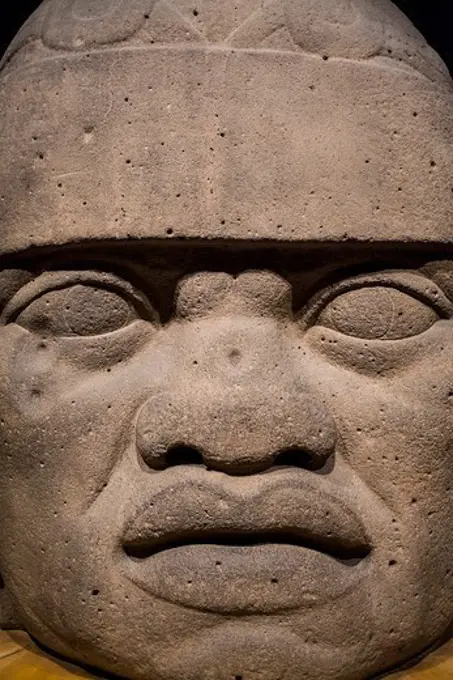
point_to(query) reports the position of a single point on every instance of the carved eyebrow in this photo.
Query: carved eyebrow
(11, 281)
(58, 280)
(412, 282)
(441, 272)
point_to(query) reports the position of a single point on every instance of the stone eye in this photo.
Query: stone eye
(377, 313)
(78, 310)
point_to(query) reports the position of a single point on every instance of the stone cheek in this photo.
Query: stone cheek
(161, 457)
(226, 349)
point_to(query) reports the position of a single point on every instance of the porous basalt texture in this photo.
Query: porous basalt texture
(226, 310)
(249, 121)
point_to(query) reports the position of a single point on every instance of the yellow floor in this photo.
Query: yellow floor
(20, 659)
(436, 666)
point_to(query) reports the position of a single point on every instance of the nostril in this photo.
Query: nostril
(295, 457)
(183, 455)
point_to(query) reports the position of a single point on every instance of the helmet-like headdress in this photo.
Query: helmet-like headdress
(348, 29)
(256, 119)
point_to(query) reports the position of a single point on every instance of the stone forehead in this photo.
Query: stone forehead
(349, 29)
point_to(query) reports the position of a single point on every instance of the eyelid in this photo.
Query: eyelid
(59, 280)
(412, 283)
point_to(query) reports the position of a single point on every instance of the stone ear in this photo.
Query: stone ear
(8, 619)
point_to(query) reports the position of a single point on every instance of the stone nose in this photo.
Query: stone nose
(236, 431)
(238, 398)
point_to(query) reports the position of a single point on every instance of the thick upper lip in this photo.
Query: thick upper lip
(287, 510)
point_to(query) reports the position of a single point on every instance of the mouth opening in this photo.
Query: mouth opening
(344, 552)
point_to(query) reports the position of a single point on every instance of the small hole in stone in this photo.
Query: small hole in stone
(392, 563)
(195, 12)
(234, 356)
(170, 232)
(294, 457)
(183, 455)
(95, 592)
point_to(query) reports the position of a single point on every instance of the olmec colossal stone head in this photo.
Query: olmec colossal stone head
(226, 364)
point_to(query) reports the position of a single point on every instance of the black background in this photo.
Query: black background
(432, 17)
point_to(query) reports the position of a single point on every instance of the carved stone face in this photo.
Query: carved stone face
(241, 472)
(226, 347)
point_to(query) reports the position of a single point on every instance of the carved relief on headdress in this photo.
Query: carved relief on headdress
(348, 29)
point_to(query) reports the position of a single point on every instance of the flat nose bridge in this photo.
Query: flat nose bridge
(239, 400)
(233, 349)
(238, 396)
(254, 293)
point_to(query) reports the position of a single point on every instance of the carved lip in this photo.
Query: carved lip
(293, 542)
(345, 550)
(286, 511)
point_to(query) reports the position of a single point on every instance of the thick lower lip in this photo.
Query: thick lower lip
(246, 573)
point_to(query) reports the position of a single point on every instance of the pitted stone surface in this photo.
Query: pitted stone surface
(354, 29)
(226, 309)
(214, 120)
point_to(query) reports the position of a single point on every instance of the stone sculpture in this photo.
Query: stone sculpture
(226, 376)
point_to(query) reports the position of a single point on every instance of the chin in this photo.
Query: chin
(249, 648)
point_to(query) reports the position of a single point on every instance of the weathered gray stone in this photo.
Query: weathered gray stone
(226, 310)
